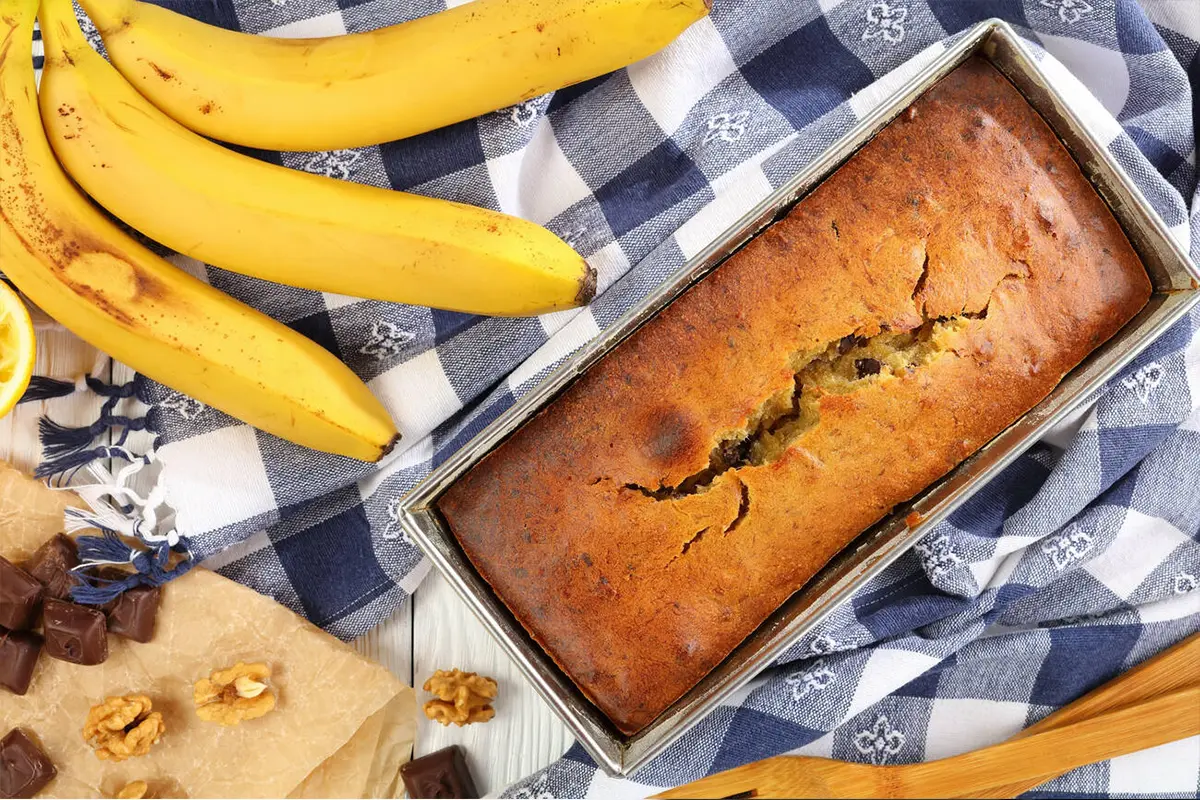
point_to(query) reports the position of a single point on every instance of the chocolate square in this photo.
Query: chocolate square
(105, 576)
(442, 773)
(20, 597)
(74, 633)
(51, 565)
(19, 652)
(24, 768)
(132, 615)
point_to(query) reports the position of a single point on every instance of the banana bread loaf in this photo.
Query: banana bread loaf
(931, 291)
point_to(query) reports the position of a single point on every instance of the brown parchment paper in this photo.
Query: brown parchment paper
(342, 727)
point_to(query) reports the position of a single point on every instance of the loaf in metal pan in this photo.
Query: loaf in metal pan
(920, 300)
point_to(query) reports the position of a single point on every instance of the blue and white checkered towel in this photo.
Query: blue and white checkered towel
(1082, 559)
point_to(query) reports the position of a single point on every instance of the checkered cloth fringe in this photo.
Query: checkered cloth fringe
(1082, 559)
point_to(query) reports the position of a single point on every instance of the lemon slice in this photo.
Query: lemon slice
(17, 348)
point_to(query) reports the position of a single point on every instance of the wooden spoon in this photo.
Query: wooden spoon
(1115, 719)
(1175, 668)
(1041, 756)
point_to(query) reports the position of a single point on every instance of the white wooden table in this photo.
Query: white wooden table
(434, 630)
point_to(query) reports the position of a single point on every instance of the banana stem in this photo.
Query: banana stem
(61, 33)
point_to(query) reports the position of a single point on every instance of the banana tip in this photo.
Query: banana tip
(587, 286)
(389, 447)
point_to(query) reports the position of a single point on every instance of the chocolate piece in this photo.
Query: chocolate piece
(132, 614)
(52, 564)
(24, 768)
(105, 576)
(18, 654)
(440, 774)
(848, 343)
(735, 452)
(20, 597)
(867, 366)
(74, 633)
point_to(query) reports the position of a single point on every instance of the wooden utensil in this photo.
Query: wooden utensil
(1175, 668)
(1120, 717)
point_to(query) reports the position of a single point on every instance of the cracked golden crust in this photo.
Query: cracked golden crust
(967, 206)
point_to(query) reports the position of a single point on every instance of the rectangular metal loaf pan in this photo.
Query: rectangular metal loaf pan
(1175, 282)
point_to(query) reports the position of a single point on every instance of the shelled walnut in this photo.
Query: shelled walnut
(463, 697)
(229, 696)
(123, 727)
(134, 790)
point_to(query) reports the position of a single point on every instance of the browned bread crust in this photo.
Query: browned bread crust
(931, 291)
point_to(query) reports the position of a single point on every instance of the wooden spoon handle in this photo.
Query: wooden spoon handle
(1055, 751)
(1175, 668)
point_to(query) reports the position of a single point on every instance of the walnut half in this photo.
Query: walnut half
(463, 697)
(123, 727)
(231, 695)
(134, 790)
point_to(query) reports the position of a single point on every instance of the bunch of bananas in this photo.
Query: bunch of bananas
(130, 137)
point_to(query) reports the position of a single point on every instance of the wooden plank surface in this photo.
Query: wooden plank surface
(60, 355)
(432, 631)
(524, 736)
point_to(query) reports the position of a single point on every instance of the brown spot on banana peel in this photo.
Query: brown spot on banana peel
(84, 292)
(587, 286)
(60, 57)
(162, 73)
(148, 285)
(7, 44)
(55, 251)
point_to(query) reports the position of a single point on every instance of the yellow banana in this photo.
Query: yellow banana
(284, 225)
(368, 88)
(94, 279)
